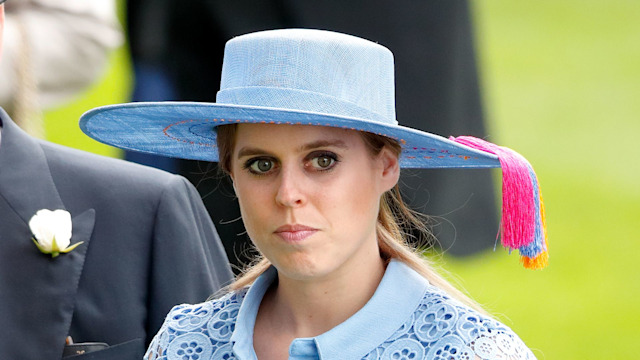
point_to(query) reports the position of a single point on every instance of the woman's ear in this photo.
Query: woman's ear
(233, 183)
(1, 25)
(390, 169)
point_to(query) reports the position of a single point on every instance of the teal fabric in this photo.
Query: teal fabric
(407, 318)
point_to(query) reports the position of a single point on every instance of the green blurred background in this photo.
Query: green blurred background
(561, 84)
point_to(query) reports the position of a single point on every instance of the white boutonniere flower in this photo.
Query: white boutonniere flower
(52, 231)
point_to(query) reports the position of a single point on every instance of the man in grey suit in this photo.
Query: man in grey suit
(147, 244)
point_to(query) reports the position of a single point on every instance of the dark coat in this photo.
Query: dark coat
(148, 245)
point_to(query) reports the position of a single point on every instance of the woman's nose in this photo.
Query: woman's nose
(290, 190)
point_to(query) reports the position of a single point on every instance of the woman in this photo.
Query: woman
(305, 126)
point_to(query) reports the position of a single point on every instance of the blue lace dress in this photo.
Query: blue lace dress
(406, 319)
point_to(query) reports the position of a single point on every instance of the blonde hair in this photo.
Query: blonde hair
(397, 223)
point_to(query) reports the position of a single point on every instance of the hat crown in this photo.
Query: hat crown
(312, 71)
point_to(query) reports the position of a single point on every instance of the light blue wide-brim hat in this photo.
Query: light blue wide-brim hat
(320, 78)
(287, 76)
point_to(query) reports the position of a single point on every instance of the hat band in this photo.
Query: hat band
(299, 100)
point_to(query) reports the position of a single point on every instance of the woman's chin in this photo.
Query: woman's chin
(302, 269)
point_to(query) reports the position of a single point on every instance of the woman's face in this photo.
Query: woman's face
(309, 196)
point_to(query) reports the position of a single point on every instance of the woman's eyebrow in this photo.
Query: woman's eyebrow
(249, 151)
(324, 143)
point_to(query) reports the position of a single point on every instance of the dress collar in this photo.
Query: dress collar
(242, 337)
(393, 302)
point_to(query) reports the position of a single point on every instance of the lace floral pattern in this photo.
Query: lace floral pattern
(439, 329)
(442, 329)
(198, 332)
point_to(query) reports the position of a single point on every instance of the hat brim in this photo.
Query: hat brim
(186, 130)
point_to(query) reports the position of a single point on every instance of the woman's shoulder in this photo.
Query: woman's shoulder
(204, 329)
(188, 317)
(443, 328)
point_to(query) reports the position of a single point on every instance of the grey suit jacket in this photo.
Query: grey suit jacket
(148, 244)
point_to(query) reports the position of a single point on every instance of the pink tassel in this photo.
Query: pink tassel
(518, 198)
(536, 254)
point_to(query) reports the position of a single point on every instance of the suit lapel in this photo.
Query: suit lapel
(38, 296)
(25, 180)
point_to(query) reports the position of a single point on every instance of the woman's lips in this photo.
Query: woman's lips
(294, 233)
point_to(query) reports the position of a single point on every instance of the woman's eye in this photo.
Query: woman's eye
(323, 162)
(261, 166)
